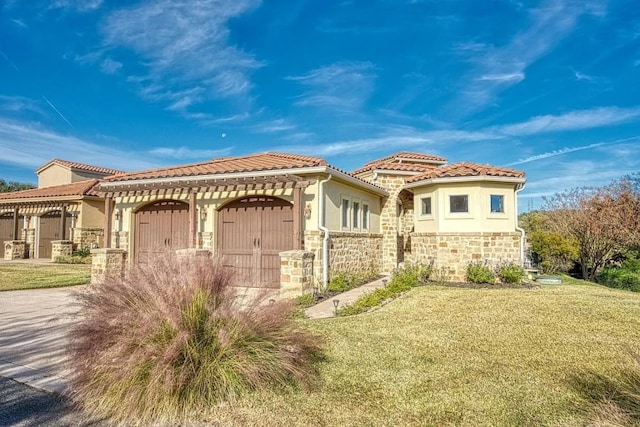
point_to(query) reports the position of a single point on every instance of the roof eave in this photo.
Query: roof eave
(478, 178)
(113, 184)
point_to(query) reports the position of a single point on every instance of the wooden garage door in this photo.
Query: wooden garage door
(161, 226)
(50, 224)
(251, 234)
(6, 227)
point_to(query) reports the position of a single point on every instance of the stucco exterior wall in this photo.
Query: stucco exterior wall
(335, 192)
(54, 175)
(453, 251)
(479, 217)
(91, 214)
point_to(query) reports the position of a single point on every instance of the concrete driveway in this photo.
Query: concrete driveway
(33, 336)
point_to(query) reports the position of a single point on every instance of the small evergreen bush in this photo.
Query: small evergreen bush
(170, 339)
(479, 272)
(511, 273)
(72, 259)
(626, 276)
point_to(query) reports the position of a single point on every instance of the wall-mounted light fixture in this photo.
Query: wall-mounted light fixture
(307, 211)
(203, 214)
(118, 214)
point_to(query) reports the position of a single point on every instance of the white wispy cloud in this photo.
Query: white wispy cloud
(182, 153)
(185, 47)
(572, 120)
(79, 5)
(109, 66)
(496, 68)
(343, 85)
(17, 104)
(274, 126)
(31, 145)
(554, 153)
(19, 22)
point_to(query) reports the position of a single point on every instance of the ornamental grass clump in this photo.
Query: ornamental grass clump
(170, 341)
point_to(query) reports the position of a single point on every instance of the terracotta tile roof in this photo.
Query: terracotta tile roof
(467, 169)
(404, 161)
(81, 166)
(80, 188)
(250, 163)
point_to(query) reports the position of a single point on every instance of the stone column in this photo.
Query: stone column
(14, 249)
(296, 273)
(107, 262)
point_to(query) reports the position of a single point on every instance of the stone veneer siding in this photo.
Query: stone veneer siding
(354, 252)
(14, 249)
(453, 251)
(61, 248)
(87, 237)
(107, 262)
(394, 239)
(296, 273)
(348, 252)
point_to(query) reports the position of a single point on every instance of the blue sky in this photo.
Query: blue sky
(548, 87)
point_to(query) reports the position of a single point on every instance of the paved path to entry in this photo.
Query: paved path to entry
(327, 308)
(33, 336)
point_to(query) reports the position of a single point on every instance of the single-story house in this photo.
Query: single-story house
(65, 208)
(286, 221)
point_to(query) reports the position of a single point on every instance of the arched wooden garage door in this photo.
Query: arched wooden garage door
(251, 234)
(160, 226)
(6, 227)
(50, 224)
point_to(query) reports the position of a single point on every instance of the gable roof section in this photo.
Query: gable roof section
(79, 166)
(75, 189)
(467, 170)
(403, 161)
(224, 165)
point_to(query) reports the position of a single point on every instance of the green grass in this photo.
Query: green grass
(32, 276)
(470, 357)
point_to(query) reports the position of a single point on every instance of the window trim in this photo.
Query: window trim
(366, 217)
(345, 213)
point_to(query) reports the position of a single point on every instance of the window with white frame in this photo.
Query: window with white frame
(365, 216)
(355, 210)
(345, 213)
(459, 203)
(497, 203)
(425, 206)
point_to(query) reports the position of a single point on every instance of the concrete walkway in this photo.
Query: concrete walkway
(327, 307)
(33, 336)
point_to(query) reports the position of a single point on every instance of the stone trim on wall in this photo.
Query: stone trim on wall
(355, 252)
(61, 248)
(87, 237)
(453, 251)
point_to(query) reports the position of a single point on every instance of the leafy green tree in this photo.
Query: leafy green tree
(552, 251)
(7, 186)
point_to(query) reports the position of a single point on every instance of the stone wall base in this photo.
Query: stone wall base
(452, 252)
(355, 252)
(61, 248)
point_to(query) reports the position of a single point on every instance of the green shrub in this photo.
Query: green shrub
(170, 339)
(626, 277)
(479, 272)
(511, 273)
(82, 252)
(402, 280)
(340, 282)
(367, 302)
(440, 275)
(72, 259)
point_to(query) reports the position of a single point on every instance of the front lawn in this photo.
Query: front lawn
(449, 356)
(31, 276)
